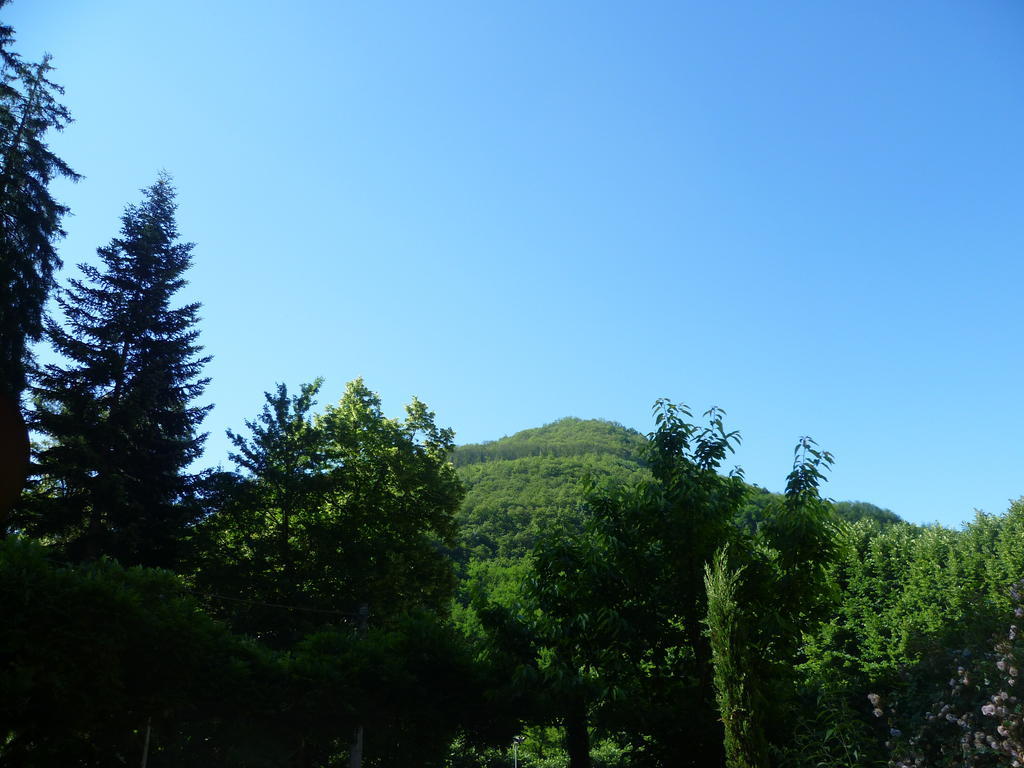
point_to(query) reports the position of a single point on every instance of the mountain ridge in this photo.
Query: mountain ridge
(523, 484)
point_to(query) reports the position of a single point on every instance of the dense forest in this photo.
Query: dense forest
(357, 589)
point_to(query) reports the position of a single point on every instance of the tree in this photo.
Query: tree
(248, 548)
(30, 218)
(119, 425)
(330, 512)
(611, 622)
(616, 614)
(735, 690)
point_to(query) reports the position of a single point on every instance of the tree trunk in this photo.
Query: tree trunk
(577, 740)
(14, 457)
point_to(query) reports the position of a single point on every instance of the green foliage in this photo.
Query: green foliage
(413, 685)
(755, 509)
(89, 654)
(735, 688)
(543, 747)
(979, 719)
(905, 592)
(910, 601)
(117, 419)
(510, 503)
(852, 511)
(783, 592)
(828, 730)
(565, 437)
(332, 512)
(30, 218)
(609, 628)
(521, 486)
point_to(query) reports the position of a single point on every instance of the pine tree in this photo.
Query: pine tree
(30, 218)
(118, 416)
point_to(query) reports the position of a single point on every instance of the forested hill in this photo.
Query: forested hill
(520, 485)
(565, 437)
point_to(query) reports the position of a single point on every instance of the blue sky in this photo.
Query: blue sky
(807, 213)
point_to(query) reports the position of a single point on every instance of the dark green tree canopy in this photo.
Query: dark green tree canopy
(30, 218)
(118, 417)
(330, 512)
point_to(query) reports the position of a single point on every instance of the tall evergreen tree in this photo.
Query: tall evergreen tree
(118, 415)
(29, 216)
(736, 689)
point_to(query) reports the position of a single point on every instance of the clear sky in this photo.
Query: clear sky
(809, 213)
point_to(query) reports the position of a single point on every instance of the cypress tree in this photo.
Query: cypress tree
(735, 687)
(30, 218)
(118, 416)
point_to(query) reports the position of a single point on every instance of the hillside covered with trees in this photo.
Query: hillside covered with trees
(519, 486)
(529, 482)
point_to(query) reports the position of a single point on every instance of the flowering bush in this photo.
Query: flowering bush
(980, 721)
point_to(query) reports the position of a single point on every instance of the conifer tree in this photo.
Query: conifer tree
(30, 218)
(736, 688)
(118, 417)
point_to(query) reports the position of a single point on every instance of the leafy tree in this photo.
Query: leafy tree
(331, 512)
(249, 547)
(30, 218)
(118, 418)
(611, 625)
(395, 492)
